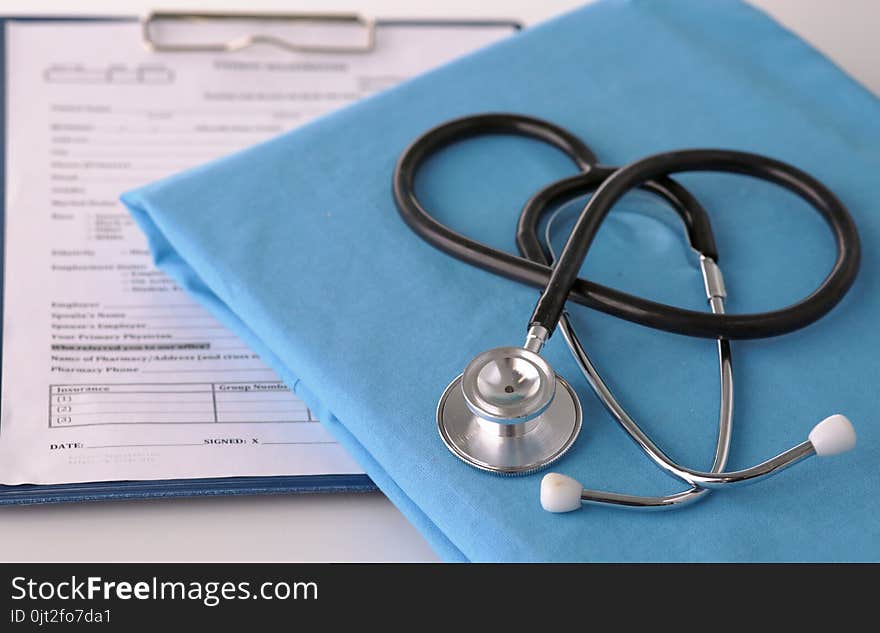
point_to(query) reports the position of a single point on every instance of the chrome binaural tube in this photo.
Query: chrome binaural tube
(722, 445)
(839, 435)
(715, 292)
(715, 478)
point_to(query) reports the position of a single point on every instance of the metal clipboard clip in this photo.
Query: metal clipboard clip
(284, 30)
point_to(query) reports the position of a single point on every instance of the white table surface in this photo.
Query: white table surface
(363, 527)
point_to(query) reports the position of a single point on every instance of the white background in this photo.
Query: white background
(330, 527)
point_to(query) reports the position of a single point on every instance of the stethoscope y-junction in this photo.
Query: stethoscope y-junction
(509, 412)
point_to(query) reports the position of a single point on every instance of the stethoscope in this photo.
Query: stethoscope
(509, 412)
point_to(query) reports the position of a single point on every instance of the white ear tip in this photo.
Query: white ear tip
(833, 435)
(560, 493)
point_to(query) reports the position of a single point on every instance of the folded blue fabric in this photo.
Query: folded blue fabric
(296, 245)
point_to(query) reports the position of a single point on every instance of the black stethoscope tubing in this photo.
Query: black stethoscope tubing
(692, 214)
(561, 282)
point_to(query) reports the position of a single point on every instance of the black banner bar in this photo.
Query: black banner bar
(128, 596)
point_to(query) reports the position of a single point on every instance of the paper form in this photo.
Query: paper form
(110, 371)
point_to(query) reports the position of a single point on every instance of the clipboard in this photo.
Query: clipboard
(362, 42)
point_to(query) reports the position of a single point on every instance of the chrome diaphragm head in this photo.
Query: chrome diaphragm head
(509, 413)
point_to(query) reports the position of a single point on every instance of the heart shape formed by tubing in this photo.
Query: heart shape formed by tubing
(561, 283)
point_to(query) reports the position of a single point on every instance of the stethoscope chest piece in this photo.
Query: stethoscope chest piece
(509, 413)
